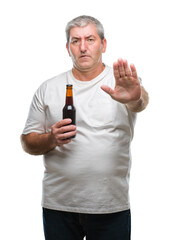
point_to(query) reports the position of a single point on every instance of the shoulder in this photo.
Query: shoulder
(51, 85)
(59, 79)
(54, 82)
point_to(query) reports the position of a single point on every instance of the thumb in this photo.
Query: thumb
(108, 90)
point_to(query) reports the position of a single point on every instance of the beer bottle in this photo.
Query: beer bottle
(69, 111)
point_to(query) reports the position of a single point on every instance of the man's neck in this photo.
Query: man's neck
(87, 75)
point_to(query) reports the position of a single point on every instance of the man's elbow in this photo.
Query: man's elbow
(27, 144)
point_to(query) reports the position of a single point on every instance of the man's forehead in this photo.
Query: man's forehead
(84, 31)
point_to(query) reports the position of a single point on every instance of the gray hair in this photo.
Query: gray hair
(82, 21)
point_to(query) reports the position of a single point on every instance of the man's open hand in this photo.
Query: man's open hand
(127, 88)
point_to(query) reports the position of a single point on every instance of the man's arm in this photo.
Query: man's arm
(38, 144)
(127, 88)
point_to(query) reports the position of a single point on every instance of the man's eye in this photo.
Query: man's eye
(90, 40)
(75, 41)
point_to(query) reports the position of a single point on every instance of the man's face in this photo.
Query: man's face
(85, 47)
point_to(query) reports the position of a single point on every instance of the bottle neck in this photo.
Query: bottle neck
(69, 100)
(69, 96)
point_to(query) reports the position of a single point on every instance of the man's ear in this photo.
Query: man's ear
(104, 45)
(67, 47)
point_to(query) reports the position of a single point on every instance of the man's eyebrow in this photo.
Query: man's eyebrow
(75, 37)
(85, 37)
(90, 36)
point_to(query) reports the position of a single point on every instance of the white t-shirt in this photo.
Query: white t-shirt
(90, 174)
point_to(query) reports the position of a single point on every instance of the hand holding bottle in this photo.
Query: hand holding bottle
(62, 132)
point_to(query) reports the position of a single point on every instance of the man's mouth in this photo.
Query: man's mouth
(84, 56)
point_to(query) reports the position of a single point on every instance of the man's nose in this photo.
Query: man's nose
(83, 46)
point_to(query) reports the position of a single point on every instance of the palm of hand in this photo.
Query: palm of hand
(127, 88)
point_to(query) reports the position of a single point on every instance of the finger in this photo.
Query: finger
(127, 69)
(65, 129)
(107, 89)
(133, 71)
(121, 68)
(66, 135)
(62, 142)
(62, 123)
(116, 71)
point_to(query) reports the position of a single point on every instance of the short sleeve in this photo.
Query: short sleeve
(36, 117)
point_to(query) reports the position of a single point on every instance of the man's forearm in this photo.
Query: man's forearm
(141, 104)
(37, 144)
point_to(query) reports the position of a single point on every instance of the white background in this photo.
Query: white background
(32, 50)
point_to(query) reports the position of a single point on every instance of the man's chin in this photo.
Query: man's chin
(84, 65)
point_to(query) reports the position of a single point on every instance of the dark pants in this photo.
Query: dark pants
(59, 225)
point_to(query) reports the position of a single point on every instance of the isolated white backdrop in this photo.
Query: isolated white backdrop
(32, 50)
